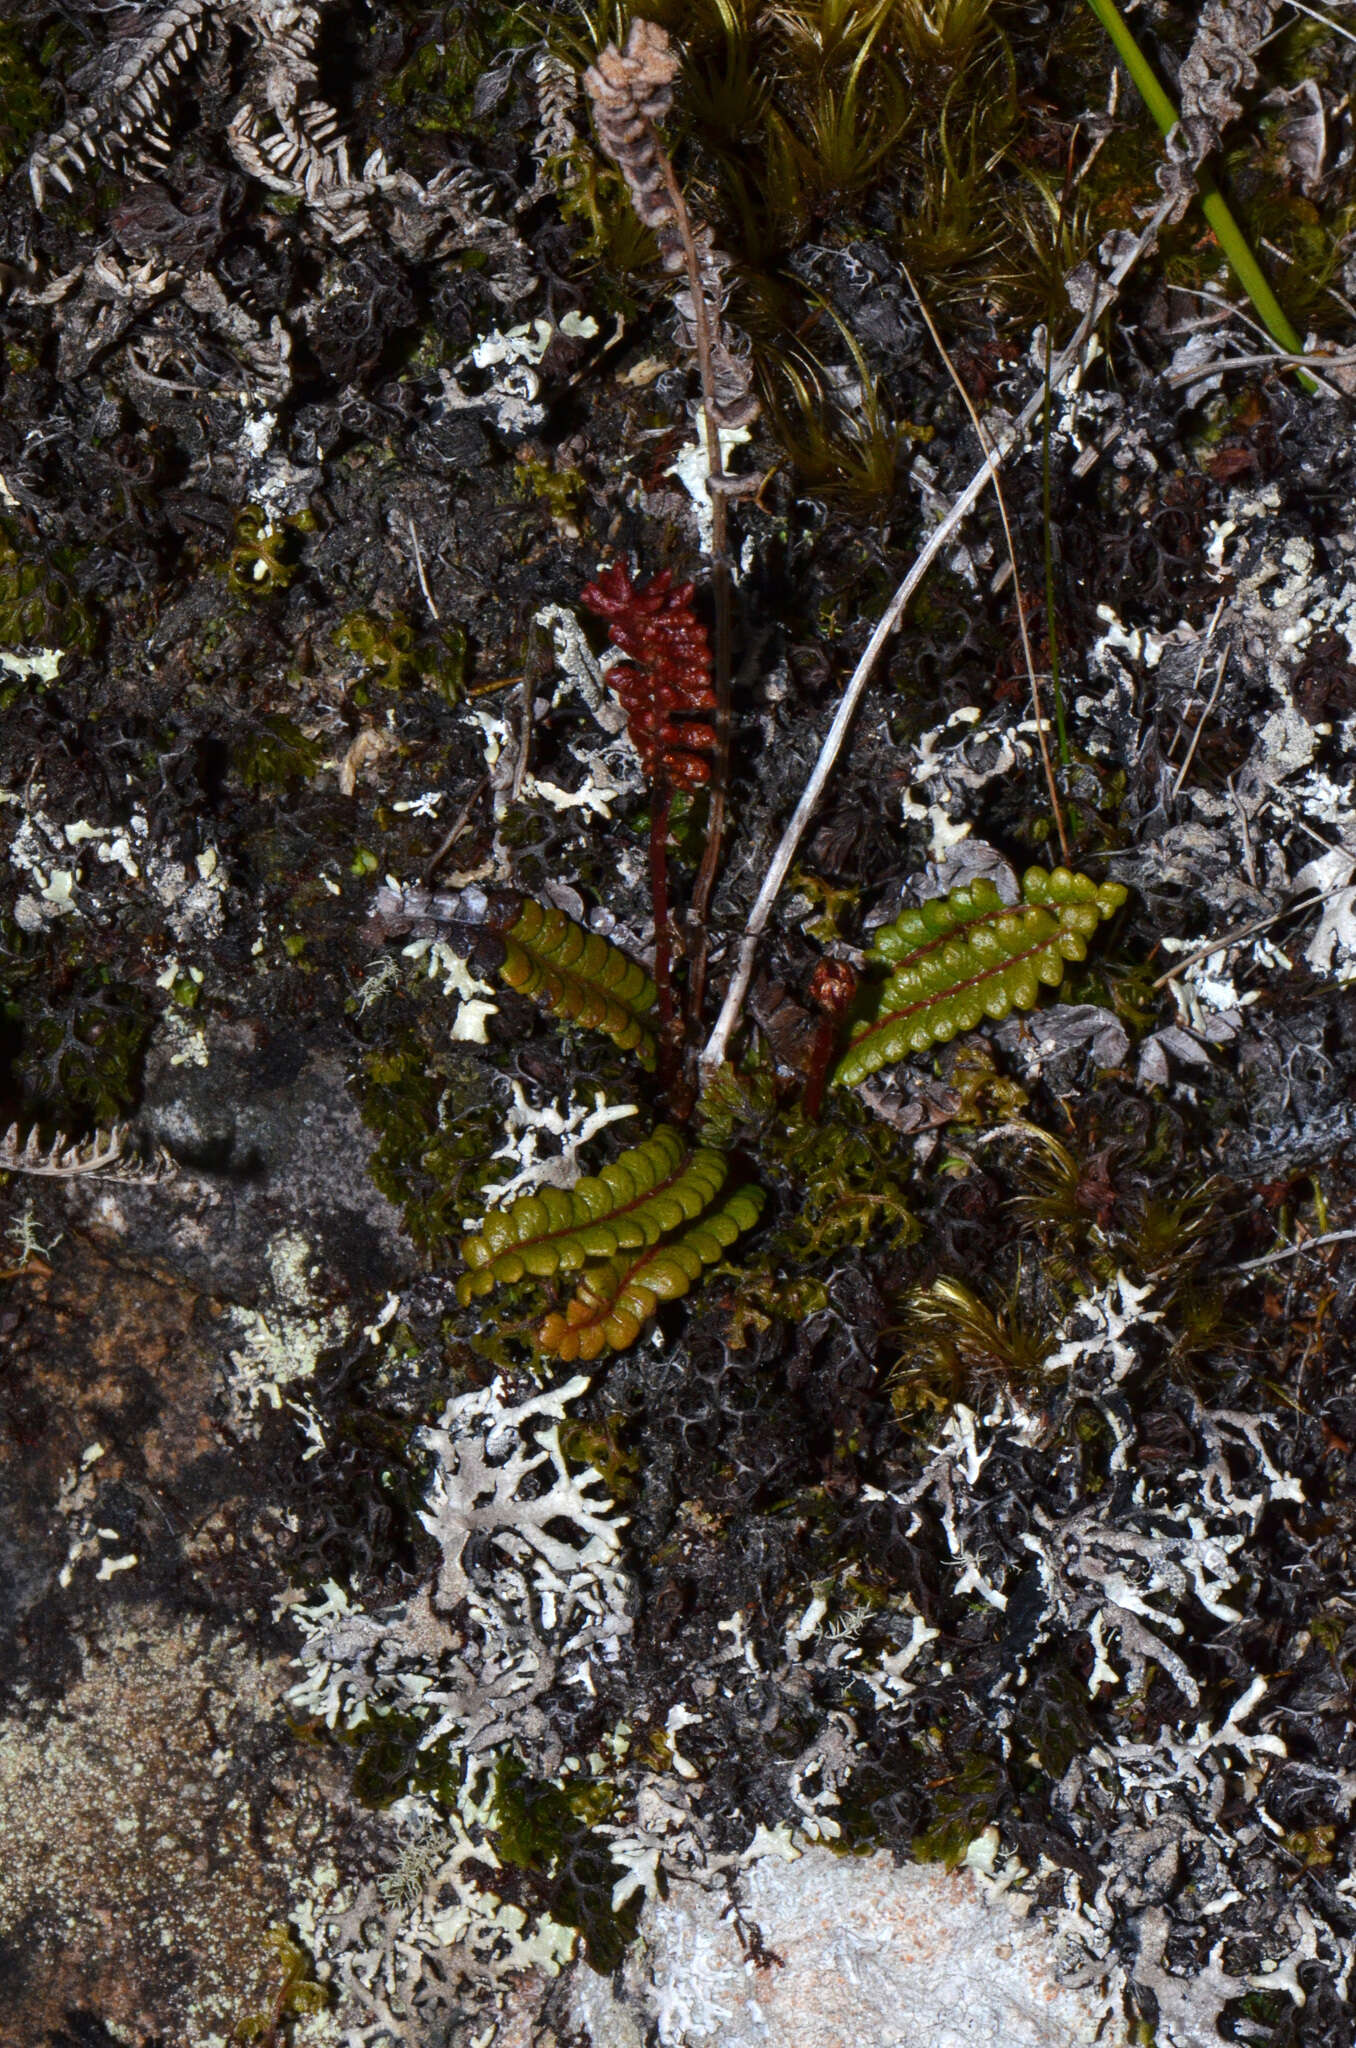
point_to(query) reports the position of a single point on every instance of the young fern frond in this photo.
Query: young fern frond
(654, 1188)
(966, 956)
(615, 1299)
(579, 977)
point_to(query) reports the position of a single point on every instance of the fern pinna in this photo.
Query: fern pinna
(579, 977)
(664, 687)
(966, 956)
(538, 951)
(637, 1233)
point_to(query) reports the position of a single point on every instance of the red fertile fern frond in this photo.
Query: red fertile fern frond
(665, 683)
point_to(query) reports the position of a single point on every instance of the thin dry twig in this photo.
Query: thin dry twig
(1204, 718)
(454, 831)
(986, 448)
(419, 566)
(1245, 931)
(1292, 1251)
(1315, 359)
(714, 1051)
(1201, 660)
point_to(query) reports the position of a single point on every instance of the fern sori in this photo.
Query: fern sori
(966, 956)
(642, 1230)
(579, 977)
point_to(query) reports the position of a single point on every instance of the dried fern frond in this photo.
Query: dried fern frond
(126, 119)
(104, 1153)
(966, 956)
(651, 1189)
(631, 92)
(579, 977)
(614, 1300)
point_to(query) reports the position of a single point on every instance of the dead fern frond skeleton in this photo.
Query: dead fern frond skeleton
(109, 1154)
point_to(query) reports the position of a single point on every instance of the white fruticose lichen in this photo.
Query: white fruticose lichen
(440, 961)
(431, 1941)
(529, 1593)
(525, 1125)
(513, 395)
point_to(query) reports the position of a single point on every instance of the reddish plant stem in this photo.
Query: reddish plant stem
(832, 988)
(661, 802)
(821, 1059)
(721, 596)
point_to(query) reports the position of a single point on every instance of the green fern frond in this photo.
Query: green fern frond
(616, 1298)
(966, 956)
(579, 977)
(650, 1190)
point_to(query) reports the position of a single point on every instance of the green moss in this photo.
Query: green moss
(963, 1805)
(600, 1445)
(394, 657)
(26, 107)
(560, 490)
(84, 1038)
(843, 1183)
(276, 756)
(436, 89)
(435, 1130)
(548, 1828)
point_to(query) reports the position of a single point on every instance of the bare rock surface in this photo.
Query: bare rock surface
(149, 1825)
(851, 1952)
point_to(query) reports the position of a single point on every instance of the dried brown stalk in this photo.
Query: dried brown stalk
(631, 92)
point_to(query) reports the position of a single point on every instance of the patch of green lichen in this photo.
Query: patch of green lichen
(291, 1990)
(265, 554)
(38, 602)
(600, 1445)
(560, 490)
(275, 756)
